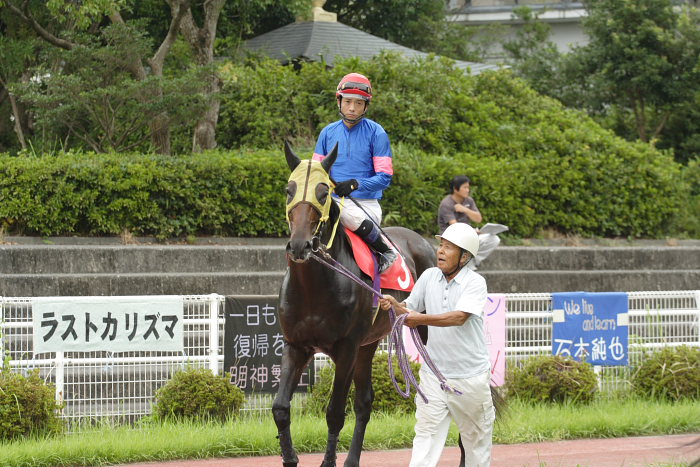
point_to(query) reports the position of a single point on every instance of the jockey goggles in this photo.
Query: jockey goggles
(354, 89)
(307, 176)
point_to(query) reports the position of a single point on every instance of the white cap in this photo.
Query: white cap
(463, 235)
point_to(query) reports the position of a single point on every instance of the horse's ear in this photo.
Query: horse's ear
(292, 159)
(330, 159)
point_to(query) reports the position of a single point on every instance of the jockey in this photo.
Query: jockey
(364, 165)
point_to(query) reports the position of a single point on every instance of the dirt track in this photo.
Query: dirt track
(617, 452)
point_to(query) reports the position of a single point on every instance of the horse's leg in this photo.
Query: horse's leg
(345, 354)
(461, 451)
(364, 395)
(293, 362)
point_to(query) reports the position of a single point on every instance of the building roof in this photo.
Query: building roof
(316, 40)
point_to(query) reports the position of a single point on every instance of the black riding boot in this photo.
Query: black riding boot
(371, 235)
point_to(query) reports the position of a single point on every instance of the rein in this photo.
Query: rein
(395, 337)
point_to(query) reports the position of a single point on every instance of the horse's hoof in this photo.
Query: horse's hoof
(289, 464)
(328, 464)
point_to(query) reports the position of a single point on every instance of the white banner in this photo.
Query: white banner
(113, 324)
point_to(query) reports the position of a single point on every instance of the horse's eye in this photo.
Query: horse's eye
(291, 191)
(322, 193)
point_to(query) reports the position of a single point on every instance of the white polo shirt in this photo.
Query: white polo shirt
(458, 351)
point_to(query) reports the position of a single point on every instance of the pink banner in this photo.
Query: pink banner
(495, 328)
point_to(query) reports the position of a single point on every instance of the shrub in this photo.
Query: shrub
(386, 399)
(27, 406)
(197, 393)
(672, 373)
(241, 193)
(552, 378)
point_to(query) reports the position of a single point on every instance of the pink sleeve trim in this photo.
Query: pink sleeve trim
(318, 157)
(383, 164)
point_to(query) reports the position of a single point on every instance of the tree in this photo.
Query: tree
(418, 24)
(643, 57)
(533, 55)
(64, 25)
(88, 14)
(94, 99)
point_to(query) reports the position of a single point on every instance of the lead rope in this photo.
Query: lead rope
(395, 338)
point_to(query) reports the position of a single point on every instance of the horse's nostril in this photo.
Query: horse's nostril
(299, 250)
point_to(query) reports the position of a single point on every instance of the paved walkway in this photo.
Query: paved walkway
(616, 452)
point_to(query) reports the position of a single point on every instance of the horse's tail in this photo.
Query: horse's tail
(499, 403)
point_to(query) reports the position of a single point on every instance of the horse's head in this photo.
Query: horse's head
(308, 202)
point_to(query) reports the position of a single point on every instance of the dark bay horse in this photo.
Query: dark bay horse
(321, 310)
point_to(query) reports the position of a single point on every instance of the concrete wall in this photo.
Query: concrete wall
(31, 270)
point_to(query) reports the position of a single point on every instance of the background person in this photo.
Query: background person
(364, 164)
(461, 207)
(453, 298)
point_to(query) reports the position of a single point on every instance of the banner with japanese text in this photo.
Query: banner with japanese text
(591, 326)
(112, 324)
(253, 344)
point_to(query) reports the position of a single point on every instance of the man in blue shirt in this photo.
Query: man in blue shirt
(364, 164)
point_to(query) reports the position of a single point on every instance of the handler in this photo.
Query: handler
(364, 164)
(453, 298)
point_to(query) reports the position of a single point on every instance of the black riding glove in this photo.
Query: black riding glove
(346, 187)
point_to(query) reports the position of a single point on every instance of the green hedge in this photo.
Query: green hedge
(238, 194)
(626, 190)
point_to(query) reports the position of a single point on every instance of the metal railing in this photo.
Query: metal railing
(120, 386)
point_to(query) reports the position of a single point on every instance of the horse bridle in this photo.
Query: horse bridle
(307, 174)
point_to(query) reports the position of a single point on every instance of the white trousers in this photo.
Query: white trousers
(472, 412)
(351, 216)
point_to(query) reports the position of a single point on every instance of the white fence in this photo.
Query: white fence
(120, 386)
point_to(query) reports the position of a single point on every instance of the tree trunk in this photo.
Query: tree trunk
(202, 42)
(205, 130)
(18, 122)
(640, 117)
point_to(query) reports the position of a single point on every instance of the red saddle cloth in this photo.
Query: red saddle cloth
(397, 277)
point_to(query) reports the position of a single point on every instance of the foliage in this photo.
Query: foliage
(552, 378)
(93, 99)
(643, 56)
(673, 373)
(637, 75)
(418, 24)
(386, 398)
(532, 54)
(27, 406)
(196, 393)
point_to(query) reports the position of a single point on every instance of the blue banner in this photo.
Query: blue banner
(591, 327)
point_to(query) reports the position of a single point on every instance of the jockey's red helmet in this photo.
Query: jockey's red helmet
(354, 85)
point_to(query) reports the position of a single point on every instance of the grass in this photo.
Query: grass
(255, 435)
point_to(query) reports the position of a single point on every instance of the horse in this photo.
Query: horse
(321, 310)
